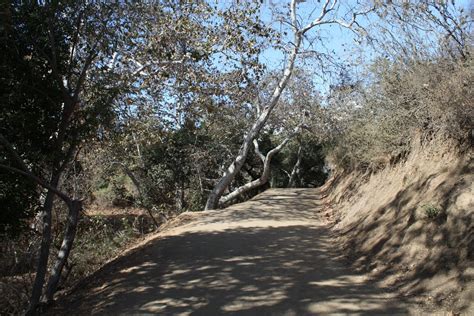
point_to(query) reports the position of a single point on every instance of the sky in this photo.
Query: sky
(337, 40)
(334, 37)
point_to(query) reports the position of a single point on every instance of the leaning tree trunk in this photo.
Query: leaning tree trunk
(266, 160)
(236, 165)
(299, 33)
(75, 208)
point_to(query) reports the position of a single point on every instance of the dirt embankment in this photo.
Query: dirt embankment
(411, 225)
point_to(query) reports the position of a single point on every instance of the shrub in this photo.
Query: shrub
(431, 97)
(431, 211)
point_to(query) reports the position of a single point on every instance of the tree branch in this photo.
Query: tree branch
(39, 181)
(11, 150)
(266, 168)
(257, 151)
(319, 19)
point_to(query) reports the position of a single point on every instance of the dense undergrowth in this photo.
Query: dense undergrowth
(100, 238)
(428, 98)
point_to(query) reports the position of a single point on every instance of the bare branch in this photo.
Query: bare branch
(39, 181)
(257, 150)
(346, 24)
(319, 19)
(354, 18)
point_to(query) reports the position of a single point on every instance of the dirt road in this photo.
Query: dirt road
(273, 255)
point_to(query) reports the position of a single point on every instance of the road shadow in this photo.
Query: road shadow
(293, 270)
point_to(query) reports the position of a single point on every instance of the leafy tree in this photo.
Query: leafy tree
(54, 61)
(202, 80)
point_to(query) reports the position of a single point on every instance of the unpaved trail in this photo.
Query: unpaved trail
(273, 255)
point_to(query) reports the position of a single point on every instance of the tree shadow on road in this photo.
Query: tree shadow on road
(292, 270)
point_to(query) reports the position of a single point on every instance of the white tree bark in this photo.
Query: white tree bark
(236, 165)
(298, 34)
(266, 160)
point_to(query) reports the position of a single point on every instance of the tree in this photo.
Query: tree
(421, 30)
(57, 94)
(191, 85)
(265, 176)
(327, 15)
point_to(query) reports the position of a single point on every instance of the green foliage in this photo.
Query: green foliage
(29, 115)
(50, 106)
(310, 172)
(19, 202)
(115, 189)
(431, 211)
(101, 237)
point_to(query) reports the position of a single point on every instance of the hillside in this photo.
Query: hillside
(410, 225)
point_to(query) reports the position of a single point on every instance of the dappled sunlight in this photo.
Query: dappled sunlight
(351, 306)
(246, 302)
(233, 262)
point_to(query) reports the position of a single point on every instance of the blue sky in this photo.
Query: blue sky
(336, 39)
(338, 42)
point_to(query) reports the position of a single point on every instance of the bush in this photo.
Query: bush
(100, 238)
(116, 190)
(431, 211)
(425, 97)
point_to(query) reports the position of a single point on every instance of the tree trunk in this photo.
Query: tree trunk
(73, 217)
(236, 165)
(263, 178)
(296, 168)
(42, 266)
